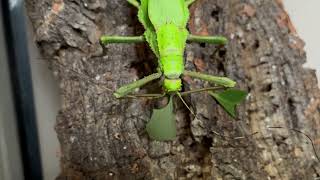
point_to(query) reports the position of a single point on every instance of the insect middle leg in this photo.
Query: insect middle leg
(134, 3)
(218, 40)
(121, 39)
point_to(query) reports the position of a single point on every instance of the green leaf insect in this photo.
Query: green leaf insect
(165, 23)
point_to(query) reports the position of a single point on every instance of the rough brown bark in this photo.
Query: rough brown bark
(104, 138)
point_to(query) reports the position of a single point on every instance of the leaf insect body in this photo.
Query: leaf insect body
(165, 22)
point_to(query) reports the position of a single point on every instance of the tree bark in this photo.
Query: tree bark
(104, 138)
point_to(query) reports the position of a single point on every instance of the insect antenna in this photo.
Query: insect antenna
(300, 132)
(215, 88)
(78, 74)
(84, 76)
(245, 137)
(206, 89)
(179, 95)
(235, 138)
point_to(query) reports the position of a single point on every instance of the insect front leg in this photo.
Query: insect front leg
(121, 39)
(218, 40)
(134, 3)
(221, 81)
(126, 89)
(148, 96)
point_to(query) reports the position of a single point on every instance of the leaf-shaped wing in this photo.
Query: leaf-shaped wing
(162, 12)
(229, 99)
(162, 125)
(143, 15)
(150, 33)
(151, 38)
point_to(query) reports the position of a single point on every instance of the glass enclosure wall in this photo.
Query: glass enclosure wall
(23, 125)
(19, 133)
(10, 159)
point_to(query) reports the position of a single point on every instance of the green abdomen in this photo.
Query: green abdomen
(171, 43)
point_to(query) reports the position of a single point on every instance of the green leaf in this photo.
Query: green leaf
(229, 99)
(162, 125)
